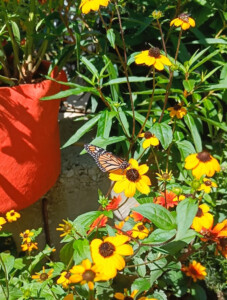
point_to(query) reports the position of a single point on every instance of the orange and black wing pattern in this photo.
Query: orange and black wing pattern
(106, 161)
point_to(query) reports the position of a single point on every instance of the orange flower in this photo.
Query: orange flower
(184, 21)
(29, 246)
(114, 203)
(195, 270)
(177, 111)
(99, 222)
(219, 231)
(166, 200)
(222, 247)
(203, 219)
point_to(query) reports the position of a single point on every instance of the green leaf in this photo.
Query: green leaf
(102, 142)
(81, 251)
(141, 269)
(212, 122)
(191, 123)
(156, 213)
(124, 120)
(160, 236)
(66, 253)
(124, 80)
(156, 267)
(105, 123)
(196, 56)
(159, 295)
(201, 62)
(19, 264)
(113, 74)
(164, 133)
(186, 211)
(185, 148)
(8, 261)
(16, 31)
(90, 66)
(189, 85)
(111, 37)
(139, 118)
(141, 284)
(198, 292)
(88, 218)
(81, 131)
(67, 93)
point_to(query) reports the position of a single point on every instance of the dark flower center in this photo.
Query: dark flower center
(154, 52)
(25, 235)
(12, 214)
(177, 107)
(184, 17)
(67, 227)
(165, 176)
(128, 298)
(203, 156)
(43, 276)
(148, 135)
(141, 227)
(88, 275)
(193, 271)
(106, 249)
(208, 183)
(132, 175)
(199, 213)
(67, 275)
(223, 242)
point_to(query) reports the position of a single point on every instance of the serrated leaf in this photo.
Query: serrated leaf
(164, 133)
(81, 131)
(186, 211)
(156, 213)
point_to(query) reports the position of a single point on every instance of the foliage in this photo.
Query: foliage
(174, 241)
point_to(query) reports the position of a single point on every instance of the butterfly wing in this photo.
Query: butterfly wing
(106, 161)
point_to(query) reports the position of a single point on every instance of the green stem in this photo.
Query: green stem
(40, 55)
(6, 293)
(29, 37)
(54, 295)
(7, 80)
(156, 160)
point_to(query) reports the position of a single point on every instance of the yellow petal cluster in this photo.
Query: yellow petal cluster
(87, 5)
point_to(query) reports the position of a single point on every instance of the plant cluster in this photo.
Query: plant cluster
(162, 106)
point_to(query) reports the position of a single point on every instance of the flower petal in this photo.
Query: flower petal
(143, 169)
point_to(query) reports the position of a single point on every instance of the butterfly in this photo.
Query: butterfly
(106, 161)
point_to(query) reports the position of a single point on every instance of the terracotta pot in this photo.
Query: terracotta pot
(29, 142)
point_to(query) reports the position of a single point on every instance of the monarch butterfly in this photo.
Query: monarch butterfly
(106, 161)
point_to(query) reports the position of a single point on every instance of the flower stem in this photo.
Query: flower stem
(6, 293)
(29, 36)
(54, 295)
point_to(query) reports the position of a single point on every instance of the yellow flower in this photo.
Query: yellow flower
(152, 57)
(26, 236)
(2, 222)
(43, 276)
(68, 297)
(164, 176)
(140, 231)
(184, 21)
(207, 185)
(131, 179)
(64, 279)
(150, 139)
(121, 296)
(203, 219)
(108, 254)
(195, 270)
(179, 198)
(66, 228)
(86, 273)
(88, 5)
(12, 215)
(178, 111)
(202, 163)
(29, 246)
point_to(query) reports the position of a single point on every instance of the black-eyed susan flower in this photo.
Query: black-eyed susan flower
(166, 199)
(29, 246)
(139, 231)
(150, 139)
(152, 57)
(203, 218)
(86, 273)
(207, 185)
(2, 222)
(26, 236)
(87, 5)
(43, 276)
(202, 163)
(177, 111)
(64, 279)
(12, 216)
(108, 254)
(219, 231)
(126, 296)
(131, 179)
(195, 270)
(66, 228)
(184, 21)
(164, 176)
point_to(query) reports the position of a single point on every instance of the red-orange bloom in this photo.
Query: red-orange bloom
(222, 247)
(166, 200)
(99, 222)
(137, 217)
(195, 270)
(219, 231)
(114, 203)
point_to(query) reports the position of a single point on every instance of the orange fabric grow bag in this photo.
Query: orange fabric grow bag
(29, 142)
